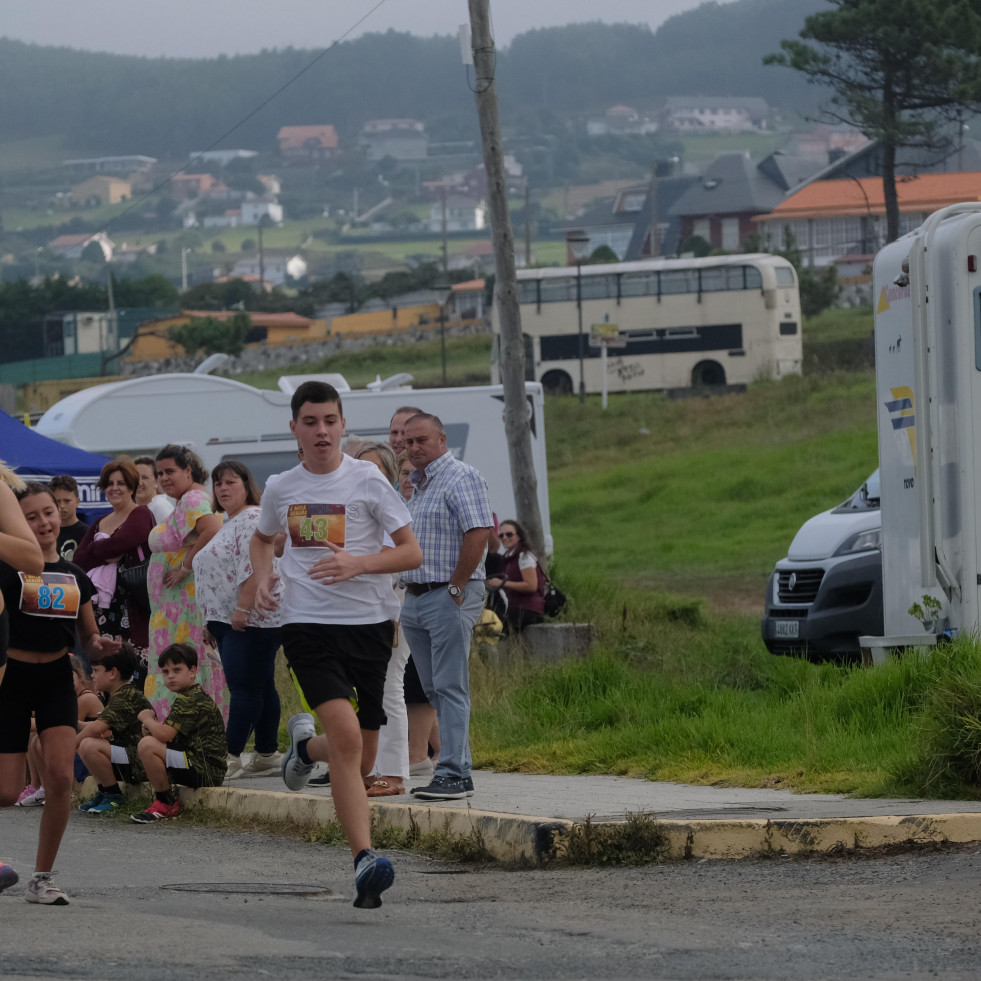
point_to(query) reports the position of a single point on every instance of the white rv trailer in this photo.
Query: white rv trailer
(927, 289)
(222, 419)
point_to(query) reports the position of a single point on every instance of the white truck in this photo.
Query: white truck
(920, 533)
(927, 287)
(222, 419)
(827, 592)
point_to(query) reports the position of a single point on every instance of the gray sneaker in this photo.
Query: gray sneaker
(295, 772)
(444, 788)
(263, 765)
(40, 889)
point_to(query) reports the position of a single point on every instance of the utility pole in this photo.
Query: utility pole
(506, 286)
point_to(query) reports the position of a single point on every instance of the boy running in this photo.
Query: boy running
(347, 530)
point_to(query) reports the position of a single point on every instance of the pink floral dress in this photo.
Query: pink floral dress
(175, 618)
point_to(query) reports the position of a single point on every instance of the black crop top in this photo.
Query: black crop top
(44, 609)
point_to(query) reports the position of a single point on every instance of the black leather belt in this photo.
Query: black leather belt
(420, 588)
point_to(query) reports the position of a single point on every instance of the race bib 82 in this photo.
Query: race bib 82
(51, 594)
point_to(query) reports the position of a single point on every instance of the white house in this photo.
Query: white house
(72, 246)
(276, 267)
(462, 214)
(714, 114)
(255, 210)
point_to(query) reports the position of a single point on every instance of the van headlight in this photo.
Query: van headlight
(864, 541)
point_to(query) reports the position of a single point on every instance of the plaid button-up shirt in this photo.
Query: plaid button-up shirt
(450, 499)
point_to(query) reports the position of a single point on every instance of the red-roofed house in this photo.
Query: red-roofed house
(307, 145)
(72, 246)
(836, 218)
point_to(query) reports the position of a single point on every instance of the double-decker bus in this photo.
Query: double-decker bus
(720, 320)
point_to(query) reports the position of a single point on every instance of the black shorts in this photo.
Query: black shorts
(47, 690)
(342, 660)
(414, 694)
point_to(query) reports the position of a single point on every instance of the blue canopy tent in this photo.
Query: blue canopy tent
(36, 457)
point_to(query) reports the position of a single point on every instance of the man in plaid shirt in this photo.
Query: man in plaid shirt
(451, 518)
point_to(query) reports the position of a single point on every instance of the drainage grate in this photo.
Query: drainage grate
(251, 888)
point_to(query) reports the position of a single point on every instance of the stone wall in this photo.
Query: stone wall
(295, 355)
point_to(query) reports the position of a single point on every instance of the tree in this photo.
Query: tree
(210, 335)
(603, 253)
(899, 70)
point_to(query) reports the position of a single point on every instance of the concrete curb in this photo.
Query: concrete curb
(536, 840)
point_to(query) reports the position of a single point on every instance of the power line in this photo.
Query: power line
(228, 132)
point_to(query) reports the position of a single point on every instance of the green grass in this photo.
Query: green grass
(838, 325)
(708, 147)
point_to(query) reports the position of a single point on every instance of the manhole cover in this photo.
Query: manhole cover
(251, 888)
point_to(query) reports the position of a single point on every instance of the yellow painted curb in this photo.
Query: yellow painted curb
(523, 838)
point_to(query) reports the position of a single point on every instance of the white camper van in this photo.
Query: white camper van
(927, 287)
(827, 592)
(222, 419)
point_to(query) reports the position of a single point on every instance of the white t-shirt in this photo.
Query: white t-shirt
(353, 507)
(221, 566)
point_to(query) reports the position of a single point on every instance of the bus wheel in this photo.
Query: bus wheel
(557, 383)
(708, 373)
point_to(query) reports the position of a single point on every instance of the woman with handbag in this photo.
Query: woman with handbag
(114, 552)
(174, 616)
(522, 579)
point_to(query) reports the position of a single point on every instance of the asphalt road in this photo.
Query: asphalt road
(168, 902)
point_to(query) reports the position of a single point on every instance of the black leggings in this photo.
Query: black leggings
(4, 635)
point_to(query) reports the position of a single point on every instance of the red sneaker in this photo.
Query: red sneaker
(157, 811)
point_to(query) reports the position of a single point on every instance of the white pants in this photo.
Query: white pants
(392, 759)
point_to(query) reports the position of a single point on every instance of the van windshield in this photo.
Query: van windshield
(866, 498)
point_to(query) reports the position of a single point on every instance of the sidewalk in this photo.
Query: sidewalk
(525, 817)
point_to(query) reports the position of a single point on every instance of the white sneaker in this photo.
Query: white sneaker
(32, 800)
(295, 772)
(40, 889)
(263, 765)
(234, 767)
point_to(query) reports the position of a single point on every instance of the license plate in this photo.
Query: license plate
(788, 629)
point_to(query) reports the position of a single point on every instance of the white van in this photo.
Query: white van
(222, 419)
(827, 592)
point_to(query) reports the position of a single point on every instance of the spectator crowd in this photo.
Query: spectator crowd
(141, 647)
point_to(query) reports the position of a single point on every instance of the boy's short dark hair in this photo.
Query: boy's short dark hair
(315, 392)
(178, 654)
(64, 482)
(126, 661)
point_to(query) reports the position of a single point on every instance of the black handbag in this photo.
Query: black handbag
(133, 580)
(555, 599)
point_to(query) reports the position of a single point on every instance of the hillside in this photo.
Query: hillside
(166, 107)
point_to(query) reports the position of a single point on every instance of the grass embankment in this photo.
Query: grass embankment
(667, 518)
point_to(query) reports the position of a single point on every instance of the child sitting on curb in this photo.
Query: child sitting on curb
(108, 744)
(189, 747)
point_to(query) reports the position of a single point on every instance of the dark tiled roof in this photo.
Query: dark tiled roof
(731, 184)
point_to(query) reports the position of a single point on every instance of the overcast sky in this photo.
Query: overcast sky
(204, 28)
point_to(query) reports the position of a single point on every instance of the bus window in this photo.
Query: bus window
(559, 290)
(599, 287)
(785, 276)
(754, 278)
(714, 280)
(528, 291)
(638, 284)
(679, 281)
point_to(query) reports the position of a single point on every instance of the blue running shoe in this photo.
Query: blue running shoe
(109, 803)
(373, 875)
(94, 802)
(8, 877)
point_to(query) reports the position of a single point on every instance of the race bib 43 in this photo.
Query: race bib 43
(313, 525)
(51, 594)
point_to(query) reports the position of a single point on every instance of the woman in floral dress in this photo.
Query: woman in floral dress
(174, 542)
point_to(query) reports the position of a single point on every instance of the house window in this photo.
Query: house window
(730, 234)
(703, 228)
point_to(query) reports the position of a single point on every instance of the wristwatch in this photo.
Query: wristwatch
(454, 591)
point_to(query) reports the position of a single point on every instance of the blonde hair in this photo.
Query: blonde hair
(11, 479)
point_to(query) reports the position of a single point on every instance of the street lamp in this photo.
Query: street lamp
(577, 243)
(442, 291)
(184, 253)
